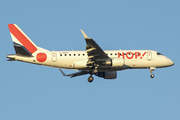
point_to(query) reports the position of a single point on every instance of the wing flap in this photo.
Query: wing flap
(75, 74)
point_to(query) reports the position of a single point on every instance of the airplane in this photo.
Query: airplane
(93, 61)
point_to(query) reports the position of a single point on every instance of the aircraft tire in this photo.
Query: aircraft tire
(90, 79)
(152, 75)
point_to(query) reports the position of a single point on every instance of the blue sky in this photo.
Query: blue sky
(30, 91)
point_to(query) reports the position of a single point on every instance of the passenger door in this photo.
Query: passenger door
(54, 57)
(149, 55)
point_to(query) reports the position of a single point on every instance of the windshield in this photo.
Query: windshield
(159, 53)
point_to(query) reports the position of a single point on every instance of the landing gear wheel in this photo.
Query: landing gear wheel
(152, 76)
(90, 79)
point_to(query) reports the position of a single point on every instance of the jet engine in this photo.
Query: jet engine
(114, 62)
(107, 75)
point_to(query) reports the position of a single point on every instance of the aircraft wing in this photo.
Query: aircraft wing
(94, 51)
(75, 74)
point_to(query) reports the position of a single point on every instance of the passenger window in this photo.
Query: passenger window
(74, 54)
(69, 54)
(115, 53)
(78, 54)
(83, 54)
(64, 54)
(111, 53)
(60, 54)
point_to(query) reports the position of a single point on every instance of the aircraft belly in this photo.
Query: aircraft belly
(138, 63)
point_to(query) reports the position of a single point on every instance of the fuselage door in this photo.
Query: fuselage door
(149, 55)
(54, 57)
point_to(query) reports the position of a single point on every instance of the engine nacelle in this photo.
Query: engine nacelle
(117, 62)
(107, 75)
(114, 62)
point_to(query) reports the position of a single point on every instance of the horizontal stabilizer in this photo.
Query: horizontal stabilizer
(11, 59)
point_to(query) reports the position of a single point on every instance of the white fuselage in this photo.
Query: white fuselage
(93, 61)
(78, 59)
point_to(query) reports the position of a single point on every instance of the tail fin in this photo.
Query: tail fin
(22, 43)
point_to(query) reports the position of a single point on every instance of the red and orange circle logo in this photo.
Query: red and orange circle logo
(41, 57)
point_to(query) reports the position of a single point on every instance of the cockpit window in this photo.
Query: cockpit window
(159, 53)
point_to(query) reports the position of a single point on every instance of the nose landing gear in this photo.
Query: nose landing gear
(152, 75)
(151, 69)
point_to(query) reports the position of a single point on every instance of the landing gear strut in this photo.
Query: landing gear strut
(90, 79)
(151, 69)
(94, 71)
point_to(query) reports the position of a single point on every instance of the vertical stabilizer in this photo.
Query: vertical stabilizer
(22, 43)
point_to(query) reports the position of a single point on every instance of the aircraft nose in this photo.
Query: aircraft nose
(171, 62)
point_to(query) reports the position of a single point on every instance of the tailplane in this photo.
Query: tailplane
(23, 45)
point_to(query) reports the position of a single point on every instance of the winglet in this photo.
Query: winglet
(84, 34)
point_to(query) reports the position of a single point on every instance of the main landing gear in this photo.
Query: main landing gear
(90, 79)
(151, 69)
(94, 71)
